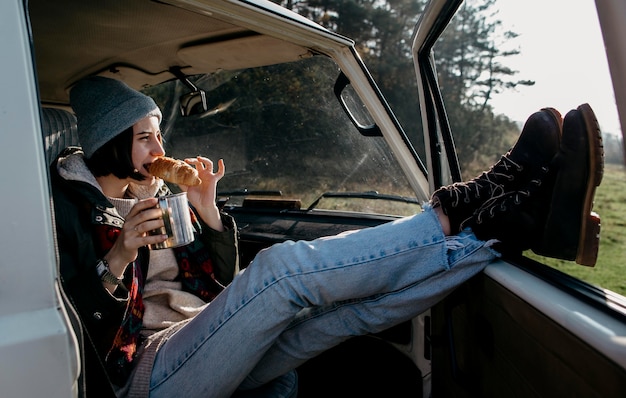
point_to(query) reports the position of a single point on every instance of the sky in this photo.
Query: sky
(565, 34)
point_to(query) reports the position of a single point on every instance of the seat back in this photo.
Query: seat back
(59, 130)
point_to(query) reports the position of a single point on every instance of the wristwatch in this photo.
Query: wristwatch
(106, 275)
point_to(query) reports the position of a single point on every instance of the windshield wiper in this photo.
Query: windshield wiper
(363, 195)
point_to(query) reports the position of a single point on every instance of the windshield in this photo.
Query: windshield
(281, 131)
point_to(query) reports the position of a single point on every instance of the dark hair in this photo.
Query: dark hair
(115, 157)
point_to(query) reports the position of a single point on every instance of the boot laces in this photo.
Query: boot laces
(489, 182)
(473, 189)
(505, 168)
(500, 203)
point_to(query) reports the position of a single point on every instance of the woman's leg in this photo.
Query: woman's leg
(389, 270)
(315, 330)
(299, 298)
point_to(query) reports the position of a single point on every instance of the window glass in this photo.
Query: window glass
(281, 131)
(545, 57)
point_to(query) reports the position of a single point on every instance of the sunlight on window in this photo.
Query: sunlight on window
(566, 59)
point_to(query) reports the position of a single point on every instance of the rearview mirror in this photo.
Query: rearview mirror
(193, 103)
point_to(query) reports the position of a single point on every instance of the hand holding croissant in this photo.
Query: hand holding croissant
(198, 180)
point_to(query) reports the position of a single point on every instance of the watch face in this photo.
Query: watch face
(101, 268)
(105, 275)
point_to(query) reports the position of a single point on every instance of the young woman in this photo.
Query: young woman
(185, 322)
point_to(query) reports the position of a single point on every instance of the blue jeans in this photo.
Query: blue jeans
(297, 299)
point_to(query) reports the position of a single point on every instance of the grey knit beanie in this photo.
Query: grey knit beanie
(106, 107)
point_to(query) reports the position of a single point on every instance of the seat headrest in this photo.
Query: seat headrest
(59, 131)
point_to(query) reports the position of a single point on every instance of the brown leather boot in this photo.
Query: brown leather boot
(533, 151)
(572, 230)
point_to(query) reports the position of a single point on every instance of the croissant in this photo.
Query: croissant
(174, 170)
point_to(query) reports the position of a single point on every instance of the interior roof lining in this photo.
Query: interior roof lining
(128, 36)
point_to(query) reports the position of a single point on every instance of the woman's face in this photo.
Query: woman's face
(147, 145)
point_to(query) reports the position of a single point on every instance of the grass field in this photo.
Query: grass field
(610, 204)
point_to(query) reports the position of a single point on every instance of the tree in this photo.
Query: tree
(469, 56)
(382, 31)
(470, 60)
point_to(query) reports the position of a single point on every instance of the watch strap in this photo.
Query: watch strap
(105, 273)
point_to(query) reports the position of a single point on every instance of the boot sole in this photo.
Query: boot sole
(589, 240)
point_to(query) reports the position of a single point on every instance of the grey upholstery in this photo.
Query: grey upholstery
(59, 130)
